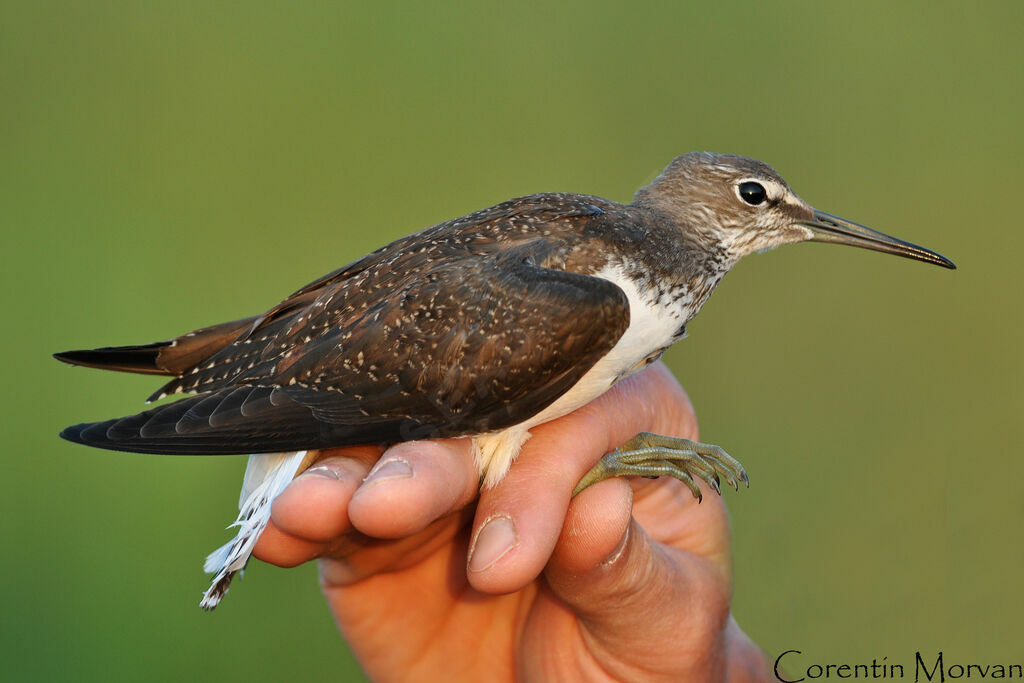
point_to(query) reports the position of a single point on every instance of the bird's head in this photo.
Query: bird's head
(742, 205)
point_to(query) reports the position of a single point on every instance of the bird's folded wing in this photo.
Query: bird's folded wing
(464, 347)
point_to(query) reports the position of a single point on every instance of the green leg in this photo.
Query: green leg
(653, 455)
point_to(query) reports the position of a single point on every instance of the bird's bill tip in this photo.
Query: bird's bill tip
(828, 228)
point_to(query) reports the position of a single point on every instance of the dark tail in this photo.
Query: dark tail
(235, 420)
(171, 357)
(142, 359)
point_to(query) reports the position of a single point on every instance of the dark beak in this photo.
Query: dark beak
(829, 228)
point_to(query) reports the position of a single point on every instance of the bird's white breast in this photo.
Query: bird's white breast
(654, 324)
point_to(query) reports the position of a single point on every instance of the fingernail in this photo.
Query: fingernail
(392, 468)
(620, 549)
(322, 471)
(493, 541)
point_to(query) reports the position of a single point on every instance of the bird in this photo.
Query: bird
(482, 327)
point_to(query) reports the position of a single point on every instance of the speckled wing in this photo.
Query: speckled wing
(465, 334)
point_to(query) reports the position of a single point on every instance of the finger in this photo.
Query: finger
(313, 509)
(670, 515)
(284, 550)
(633, 595)
(596, 529)
(414, 484)
(331, 509)
(358, 557)
(519, 520)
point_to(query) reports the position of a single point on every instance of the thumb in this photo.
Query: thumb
(645, 608)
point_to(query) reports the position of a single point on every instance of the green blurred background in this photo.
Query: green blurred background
(170, 165)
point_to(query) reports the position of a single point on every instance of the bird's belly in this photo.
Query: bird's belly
(652, 329)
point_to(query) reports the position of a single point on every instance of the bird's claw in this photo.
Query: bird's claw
(653, 455)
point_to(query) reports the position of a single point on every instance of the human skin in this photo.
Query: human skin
(631, 580)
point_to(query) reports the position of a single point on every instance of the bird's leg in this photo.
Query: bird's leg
(653, 455)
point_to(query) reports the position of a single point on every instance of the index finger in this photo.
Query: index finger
(519, 520)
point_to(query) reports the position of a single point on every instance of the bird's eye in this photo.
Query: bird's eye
(753, 193)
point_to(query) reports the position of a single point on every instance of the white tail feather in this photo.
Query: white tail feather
(266, 476)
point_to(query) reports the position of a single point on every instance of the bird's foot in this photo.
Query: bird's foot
(652, 455)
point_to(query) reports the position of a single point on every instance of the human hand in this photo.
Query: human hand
(631, 580)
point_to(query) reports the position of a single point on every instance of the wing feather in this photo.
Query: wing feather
(459, 335)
